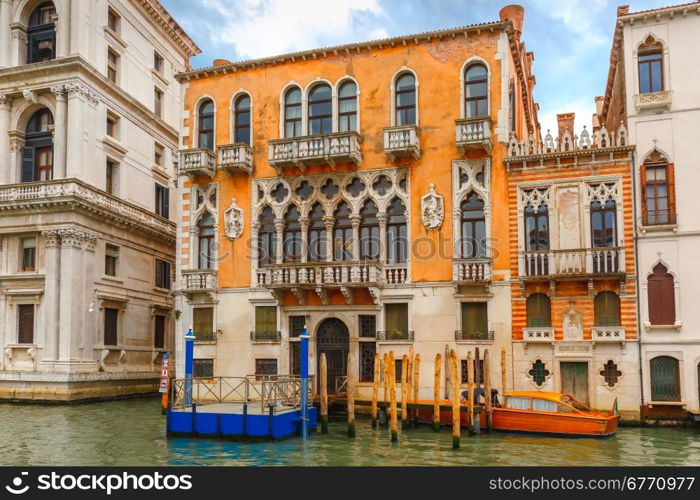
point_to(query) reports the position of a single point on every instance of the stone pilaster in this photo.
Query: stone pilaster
(5, 119)
(51, 300)
(59, 148)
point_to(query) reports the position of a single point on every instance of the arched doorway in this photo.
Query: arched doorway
(333, 339)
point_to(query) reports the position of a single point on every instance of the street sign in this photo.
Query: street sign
(164, 373)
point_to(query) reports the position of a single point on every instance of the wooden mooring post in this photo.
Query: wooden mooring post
(503, 372)
(416, 383)
(323, 379)
(448, 361)
(385, 375)
(351, 397)
(404, 391)
(470, 392)
(436, 393)
(487, 389)
(454, 382)
(393, 423)
(476, 423)
(375, 391)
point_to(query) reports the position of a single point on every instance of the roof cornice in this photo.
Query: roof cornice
(655, 14)
(162, 18)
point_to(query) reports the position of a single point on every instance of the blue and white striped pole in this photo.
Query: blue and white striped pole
(304, 354)
(189, 366)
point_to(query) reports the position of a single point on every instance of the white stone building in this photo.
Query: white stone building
(653, 87)
(89, 110)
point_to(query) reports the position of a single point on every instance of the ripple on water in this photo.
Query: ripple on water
(131, 433)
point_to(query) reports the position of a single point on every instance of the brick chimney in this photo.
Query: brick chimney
(566, 122)
(624, 9)
(514, 14)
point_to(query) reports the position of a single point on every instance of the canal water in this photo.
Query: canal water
(132, 433)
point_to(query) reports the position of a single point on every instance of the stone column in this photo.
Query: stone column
(5, 40)
(59, 136)
(62, 32)
(71, 291)
(304, 223)
(355, 220)
(279, 227)
(5, 116)
(74, 129)
(52, 293)
(16, 147)
(18, 53)
(382, 237)
(329, 222)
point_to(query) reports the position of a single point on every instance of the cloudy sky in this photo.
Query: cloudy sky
(570, 38)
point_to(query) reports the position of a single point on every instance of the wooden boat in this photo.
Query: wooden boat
(538, 412)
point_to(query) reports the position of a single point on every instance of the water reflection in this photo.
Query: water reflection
(131, 433)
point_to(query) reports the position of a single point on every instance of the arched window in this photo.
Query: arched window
(607, 309)
(650, 61)
(603, 223)
(342, 233)
(511, 107)
(37, 154)
(405, 100)
(347, 107)
(267, 238)
(539, 311)
(316, 234)
(41, 34)
(661, 296)
(292, 112)
(320, 110)
(476, 101)
(292, 236)
(665, 379)
(369, 231)
(396, 232)
(473, 226)
(206, 124)
(207, 241)
(536, 228)
(658, 199)
(241, 118)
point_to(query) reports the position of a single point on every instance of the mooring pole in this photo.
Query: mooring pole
(304, 337)
(189, 366)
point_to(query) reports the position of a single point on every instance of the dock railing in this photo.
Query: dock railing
(277, 390)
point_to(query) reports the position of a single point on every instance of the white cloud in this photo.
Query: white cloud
(259, 28)
(581, 17)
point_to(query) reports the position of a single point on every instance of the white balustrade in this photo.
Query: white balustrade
(199, 161)
(471, 270)
(473, 133)
(235, 157)
(542, 334)
(199, 279)
(328, 148)
(402, 141)
(608, 334)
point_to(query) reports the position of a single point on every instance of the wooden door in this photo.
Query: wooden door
(574, 380)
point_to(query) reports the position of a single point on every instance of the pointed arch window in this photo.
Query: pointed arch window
(473, 226)
(405, 96)
(37, 154)
(206, 124)
(292, 236)
(316, 234)
(267, 238)
(396, 232)
(207, 241)
(665, 379)
(536, 228)
(342, 233)
(511, 107)
(347, 107)
(539, 311)
(241, 117)
(369, 231)
(476, 101)
(603, 223)
(658, 199)
(606, 307)
(41, 34)
(320, 110)
(650, 60)
(661, 296)
(292, 112)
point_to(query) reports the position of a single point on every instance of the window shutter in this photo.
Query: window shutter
(671, 193)
(643, 193)
(159, 273)
(166, 203)
(28, 164)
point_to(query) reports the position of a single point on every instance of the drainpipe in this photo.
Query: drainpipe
(636, 267)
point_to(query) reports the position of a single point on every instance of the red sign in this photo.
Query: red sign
(165, 373)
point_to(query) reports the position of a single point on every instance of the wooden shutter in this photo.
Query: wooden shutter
(110, 326)
(165, 194)
(203, 321)
(538, 310)
(25, 330)
(643, 182)
(28, 164)
(670, 175)
(396, 318)
(266, 319)
(159, 334)
(661, 297)
(474, 319)
(607, 309)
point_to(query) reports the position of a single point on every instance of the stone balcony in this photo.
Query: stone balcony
(538, 334)
(234, 158)
(608, 334)
(465, 336)
(601, 261)
(392, 336)
(266, 337)
(473, 133)
(653, 101)
(402, 141)
(199, 280)
(196, 162)
(471, 270)
(340, 147)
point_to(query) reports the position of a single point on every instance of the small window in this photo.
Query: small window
(320, 110)
(113, 20)
(607, 309)
(292, 113)
(25, 324)
(158, 62)
(650, 64)
(242, 120)
(405, 95)
(265, 368)
(111, 176)
(28, 253)
(368, 325)
(112, 126)
(162, 274)
(111, 317)
(203, 368)
(478, 370)
(112, 65)
(111, 259)
(347, 107)
(206, 124)
(159, 332)
(539, 311)
(158, 153)
(367, 353)
(396, 320)
(265, 319)
(475, 320)
(517, 403)
(203, 323)
(661, 296)
(544, 405)
(158, 102)
(476, 91)
(296, 325)
(162, 201)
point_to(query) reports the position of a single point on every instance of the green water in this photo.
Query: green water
(132, 433)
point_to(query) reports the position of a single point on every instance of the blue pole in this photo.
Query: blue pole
(189, 366)
(304, 382)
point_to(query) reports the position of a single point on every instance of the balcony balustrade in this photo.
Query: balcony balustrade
(395, 336)
(471, 270)
(199, 280)
(194, 162)
(538, 334)
(314, 274)
(473, 133)
(653, 101)
(402, 141)
(267, 337)
(608, 334)
(328, 148)
(462, 335)
(576, 262)
(235, 158)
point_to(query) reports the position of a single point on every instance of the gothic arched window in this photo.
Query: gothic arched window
(241, 117)
(207, 241)
(476, 101)
(473, 227)
(650, 61)
(316, 234)
(320, 110)
(347, 107)
(267, 238)
(396, 232)
(206, 124)
(661, 296)
(369, 231)
(292, 112)
(342, 233)
(291, 239)
(405, 99)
